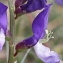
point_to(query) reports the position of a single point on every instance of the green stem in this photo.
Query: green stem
(12, 20)
(7, 50)
(12, 28)
(25, 56)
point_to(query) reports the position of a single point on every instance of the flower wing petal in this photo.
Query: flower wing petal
(2, 38)
(45, 54)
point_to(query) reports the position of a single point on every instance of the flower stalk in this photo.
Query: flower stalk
(12, 28)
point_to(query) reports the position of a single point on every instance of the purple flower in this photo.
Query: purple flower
(30, 6)
(60, 2)
(3, 24)
(38, 28)
(33, 5)
(45, 54)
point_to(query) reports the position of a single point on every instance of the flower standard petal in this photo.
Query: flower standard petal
(40, 23)
(45, 54)
(3, 17)
(38, 28)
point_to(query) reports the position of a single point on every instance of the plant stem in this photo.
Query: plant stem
(12, 20)
(25, 56)
(12, 25)
(7, 50)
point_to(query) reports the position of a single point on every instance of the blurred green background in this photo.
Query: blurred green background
(23, 30)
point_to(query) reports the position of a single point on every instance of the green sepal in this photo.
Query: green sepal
(8, 38)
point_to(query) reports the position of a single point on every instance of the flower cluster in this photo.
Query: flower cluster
(39, 26)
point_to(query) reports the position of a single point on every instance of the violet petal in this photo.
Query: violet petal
(30, 6)
(60, 2)
(3, 17)
(3, 24)
(2, 38)
(45, 54)
(33, 5)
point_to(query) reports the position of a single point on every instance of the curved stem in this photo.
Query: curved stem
(25, 56)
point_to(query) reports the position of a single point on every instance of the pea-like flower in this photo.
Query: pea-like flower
(45, 54)
(38, 28)
(33, 5)
(29, 6)
(3, 24)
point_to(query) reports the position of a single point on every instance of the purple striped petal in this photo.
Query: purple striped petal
(60, 2)
(45, 54)
(3, 17)
(38, 28)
